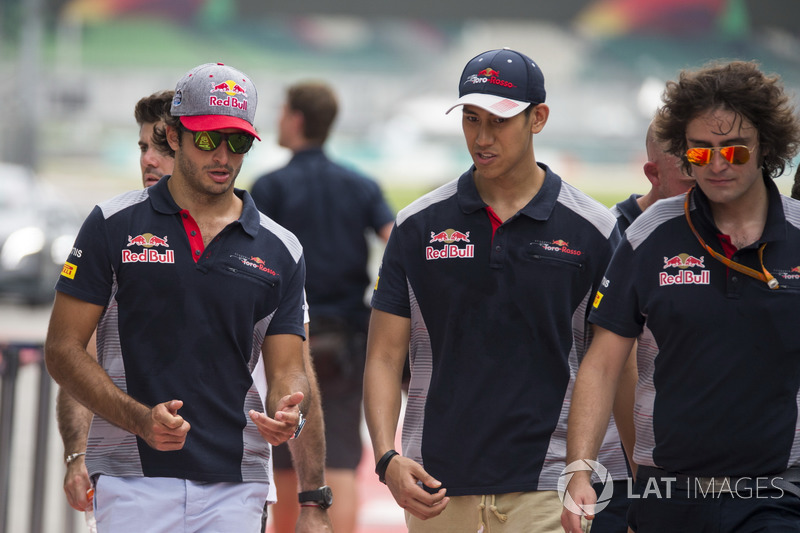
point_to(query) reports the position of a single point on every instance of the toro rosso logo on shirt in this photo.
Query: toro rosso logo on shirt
(558, 245)
(150, 253)
(684, 276)
(255, 262)
(792, 273)
(450, 250)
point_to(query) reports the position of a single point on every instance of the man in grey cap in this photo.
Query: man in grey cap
(187, 284)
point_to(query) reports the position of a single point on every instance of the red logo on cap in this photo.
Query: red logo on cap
(489, 72)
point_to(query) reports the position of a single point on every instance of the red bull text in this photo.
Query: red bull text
(450, 251)
(685, 277)
(148, 256)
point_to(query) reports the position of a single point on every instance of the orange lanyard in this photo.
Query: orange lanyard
(764, 276)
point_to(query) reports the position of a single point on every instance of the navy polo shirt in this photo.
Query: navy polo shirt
(329, 208)
(185, 325)
(626, 212)
(498, 326)
(719, 353)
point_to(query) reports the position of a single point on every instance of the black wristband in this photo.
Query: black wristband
(383, 463)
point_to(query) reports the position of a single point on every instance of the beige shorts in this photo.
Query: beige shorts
(514, 512)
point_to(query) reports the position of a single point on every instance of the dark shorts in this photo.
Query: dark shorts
(659, 506)
(338, 351)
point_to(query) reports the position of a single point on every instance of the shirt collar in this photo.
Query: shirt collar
(539, 208)
(163, 202)
(775, 227)
(311, 151)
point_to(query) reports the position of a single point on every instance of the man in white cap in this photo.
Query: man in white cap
(485, 283)
(187, 284)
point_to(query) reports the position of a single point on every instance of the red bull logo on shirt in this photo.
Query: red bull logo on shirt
(148, 240)
(684, 261)
(450, 250)
(149, 254)
(684, 277)
(449, 235)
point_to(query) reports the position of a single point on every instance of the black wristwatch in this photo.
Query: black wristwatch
(322, 497)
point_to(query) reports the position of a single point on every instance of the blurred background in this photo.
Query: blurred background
(71, 72)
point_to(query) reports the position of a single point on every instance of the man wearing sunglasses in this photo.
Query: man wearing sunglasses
(187, 284)
(708, 281)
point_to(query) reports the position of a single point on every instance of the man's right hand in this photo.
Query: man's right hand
(166, 430)
(76, 483)
(402, 476)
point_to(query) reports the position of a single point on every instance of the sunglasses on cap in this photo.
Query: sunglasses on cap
(238, 143)
(735, 155)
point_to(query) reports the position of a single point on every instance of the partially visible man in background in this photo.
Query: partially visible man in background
(331, 209)
(666, 177)
(149, 113)
(73, 418)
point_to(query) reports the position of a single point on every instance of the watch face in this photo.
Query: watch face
(327, 495)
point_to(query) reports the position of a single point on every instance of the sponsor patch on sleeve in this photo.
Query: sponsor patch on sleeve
(68, 271)
(597, 298)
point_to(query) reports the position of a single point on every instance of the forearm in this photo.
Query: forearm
(73, 423)
(308, 450)
(594, 394)
(285, 368)
(72, 324)
(382, 402)
(623, 407)
(86, 382)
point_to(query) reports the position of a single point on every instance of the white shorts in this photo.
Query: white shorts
(170, 505)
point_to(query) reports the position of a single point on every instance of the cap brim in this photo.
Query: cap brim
(218, 122)
(496, 105)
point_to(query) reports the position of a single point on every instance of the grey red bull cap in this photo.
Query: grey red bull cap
(504, 82)
(215, 96)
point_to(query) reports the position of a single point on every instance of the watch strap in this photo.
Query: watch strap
(321, 497)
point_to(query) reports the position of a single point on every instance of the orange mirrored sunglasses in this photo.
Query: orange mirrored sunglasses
(735, 155)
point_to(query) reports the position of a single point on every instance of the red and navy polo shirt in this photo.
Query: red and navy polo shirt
(183, 322)
(498, 327)
(719, 353)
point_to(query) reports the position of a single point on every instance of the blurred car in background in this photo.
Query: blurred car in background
(37, 232)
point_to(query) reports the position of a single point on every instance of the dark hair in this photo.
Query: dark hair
(160, 134)
(153, 108)
(796, 185)
(317, 103)
(740, 87)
